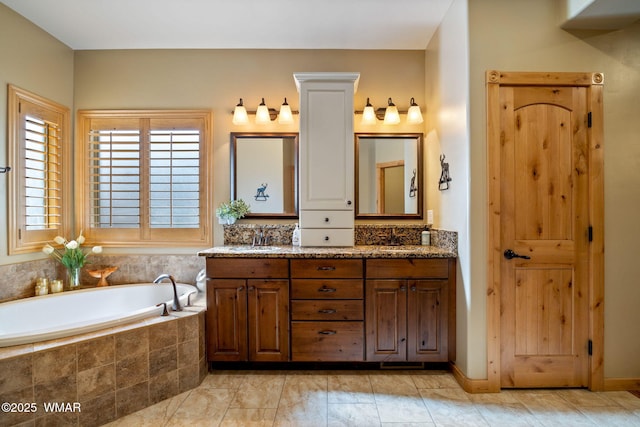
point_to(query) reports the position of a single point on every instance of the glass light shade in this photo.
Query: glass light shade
(262, 114)
(368, 115)
(391, 116)
(414, 115)
(240, 114)
(285, 116)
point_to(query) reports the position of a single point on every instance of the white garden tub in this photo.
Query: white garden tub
(64, 314)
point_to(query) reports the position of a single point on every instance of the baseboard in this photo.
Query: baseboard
(469, 385)
(616, 384)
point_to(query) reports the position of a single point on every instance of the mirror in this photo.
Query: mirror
(388, 175)
(264, 173)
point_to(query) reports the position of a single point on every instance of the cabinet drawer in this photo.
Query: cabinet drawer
(326, 237)
(407, 268)
(327, 289)
(326, 268)
(327, 341)
(326, 219)
(327, 310)
(264, 268)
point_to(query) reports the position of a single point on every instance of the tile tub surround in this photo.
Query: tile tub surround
(111, 373)
(365, 234)
(18, 280)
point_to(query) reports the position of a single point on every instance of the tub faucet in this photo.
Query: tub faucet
(176, 302)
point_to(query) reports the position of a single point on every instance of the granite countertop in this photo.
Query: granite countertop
(364, 251)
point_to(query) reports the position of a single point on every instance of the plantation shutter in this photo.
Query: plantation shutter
(37, 131)
(147, 179)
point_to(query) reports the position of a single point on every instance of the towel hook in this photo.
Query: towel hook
(5, 169)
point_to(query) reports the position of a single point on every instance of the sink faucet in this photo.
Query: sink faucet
(393, 239)
(176, 302)
(260, 238)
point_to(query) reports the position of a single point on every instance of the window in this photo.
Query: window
(145, 177)
(39, 187)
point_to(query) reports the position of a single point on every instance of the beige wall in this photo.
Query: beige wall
(525, 36)
(215, 79)
(32, 60)
(447, 86)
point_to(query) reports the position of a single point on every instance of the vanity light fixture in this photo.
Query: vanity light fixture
(285, 117)
(262, 114)
(391, 115)
(414, 115)
(240, 114)
(369, 114)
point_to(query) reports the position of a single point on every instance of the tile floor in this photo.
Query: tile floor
(377, 398)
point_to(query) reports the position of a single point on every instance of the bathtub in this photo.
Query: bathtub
(64, 314)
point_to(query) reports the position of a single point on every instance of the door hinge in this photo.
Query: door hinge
(591, 233)
(590, 348)
(19, 107)
(589, 119)
(19, 233)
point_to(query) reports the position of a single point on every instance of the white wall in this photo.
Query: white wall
(447, 93)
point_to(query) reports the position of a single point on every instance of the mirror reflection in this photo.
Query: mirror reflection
(388, 175)
(264, 173)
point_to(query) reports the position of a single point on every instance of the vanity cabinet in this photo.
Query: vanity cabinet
(326, 158)
(247, 315)
(410, 314)
(327, 310)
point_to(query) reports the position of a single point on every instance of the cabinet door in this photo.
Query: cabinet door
(427, 321)
(326, 146)
(226, 320)
(268, 302)
(386, 320)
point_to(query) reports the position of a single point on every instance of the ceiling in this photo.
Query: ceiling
(236, 24)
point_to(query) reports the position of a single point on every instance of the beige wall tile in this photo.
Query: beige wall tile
(96, 382)
(131, 399)
(132, 370)
(15, 374)
(54, 364)
(131, 343)
(97, 352)
(163, 334)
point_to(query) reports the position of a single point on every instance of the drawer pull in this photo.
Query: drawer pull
(326, 268)
(327, 311)
(325, 289)
(327, 332)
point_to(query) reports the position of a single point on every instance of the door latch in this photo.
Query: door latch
(510, 254)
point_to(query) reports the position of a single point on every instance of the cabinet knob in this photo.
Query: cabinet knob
(326, 220)
(348, 202)
(413, 288)
(403, 288)
(250, 288)
(241, 288)
(326, 238)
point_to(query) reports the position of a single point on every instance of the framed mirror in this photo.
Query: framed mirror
(388, 177)
(264, 173)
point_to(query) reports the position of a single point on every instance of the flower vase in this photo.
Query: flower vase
(73, 276)
(231, 220)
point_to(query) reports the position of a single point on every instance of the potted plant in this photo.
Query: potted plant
(229, 212)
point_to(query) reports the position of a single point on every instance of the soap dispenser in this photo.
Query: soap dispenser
(295, 238)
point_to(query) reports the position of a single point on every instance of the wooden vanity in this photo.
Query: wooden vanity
(358, 304)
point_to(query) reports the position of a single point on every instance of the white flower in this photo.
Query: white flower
(47, 249)
(72, 245)
(59, 240)
(80, 239)
(96, 249)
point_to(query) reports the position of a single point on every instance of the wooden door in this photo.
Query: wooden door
(226, 320)
(268, 310)
(545, 218)
(427, 321)
(386, 320)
